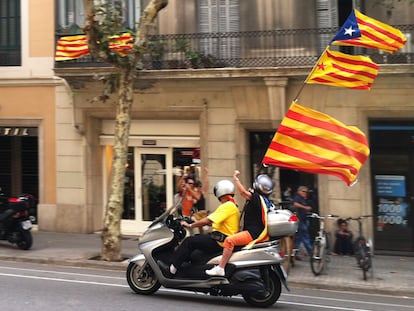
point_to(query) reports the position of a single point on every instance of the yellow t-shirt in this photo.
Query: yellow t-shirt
(226, 218)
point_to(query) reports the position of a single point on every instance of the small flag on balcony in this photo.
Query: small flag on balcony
(364, 31)
(121, 44)
(313, 142)
(72, 47)
(343, 70)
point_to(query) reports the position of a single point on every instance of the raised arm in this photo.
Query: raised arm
(240, 188)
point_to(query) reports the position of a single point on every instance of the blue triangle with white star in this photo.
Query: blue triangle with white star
(349, 29)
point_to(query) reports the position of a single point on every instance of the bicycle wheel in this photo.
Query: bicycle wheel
(366, 263)
(318, 258)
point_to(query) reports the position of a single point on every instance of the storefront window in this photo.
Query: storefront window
(392, 167)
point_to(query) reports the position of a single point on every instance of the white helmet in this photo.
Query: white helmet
(263, 184)
(224, 187)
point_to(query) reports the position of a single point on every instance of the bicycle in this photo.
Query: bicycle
(362, 248)
(320, 249)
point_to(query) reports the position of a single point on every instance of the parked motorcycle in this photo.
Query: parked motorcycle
(15, 222)
(254, 273)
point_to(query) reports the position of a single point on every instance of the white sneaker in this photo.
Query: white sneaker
(216, 271)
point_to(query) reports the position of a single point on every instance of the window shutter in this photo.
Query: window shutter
(326, 17)
(219, 16)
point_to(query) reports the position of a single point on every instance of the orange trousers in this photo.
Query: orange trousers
(238, 239)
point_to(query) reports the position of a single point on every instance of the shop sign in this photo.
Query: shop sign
(18, 131)
(391, 201)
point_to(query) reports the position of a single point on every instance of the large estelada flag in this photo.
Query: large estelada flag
(72, 47)
(364, 31)
(313, 142)
(343, 70)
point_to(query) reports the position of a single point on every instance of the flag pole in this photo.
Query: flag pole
(304, 82)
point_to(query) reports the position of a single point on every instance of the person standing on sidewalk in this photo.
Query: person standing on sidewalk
(303, 208)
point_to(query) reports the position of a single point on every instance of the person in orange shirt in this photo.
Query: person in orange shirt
(189, 195)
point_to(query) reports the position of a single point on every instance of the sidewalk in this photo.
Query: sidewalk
(393, 275)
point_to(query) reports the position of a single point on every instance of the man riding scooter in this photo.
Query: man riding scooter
(224, 221)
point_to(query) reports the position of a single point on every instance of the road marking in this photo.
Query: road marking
(61, 280)
(349, 300)
(63, 273)
(320, 306)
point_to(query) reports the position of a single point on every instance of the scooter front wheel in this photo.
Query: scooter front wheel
(142, 279)
(273, 293)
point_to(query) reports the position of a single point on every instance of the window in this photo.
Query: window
(10, 41)
(219, 17)
(71, 15)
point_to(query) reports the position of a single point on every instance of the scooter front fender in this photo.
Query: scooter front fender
(138, 258)
(280, 271)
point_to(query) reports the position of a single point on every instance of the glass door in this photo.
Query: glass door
(153, 182)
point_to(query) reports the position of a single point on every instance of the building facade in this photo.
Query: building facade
(217, 106)
(28, 97)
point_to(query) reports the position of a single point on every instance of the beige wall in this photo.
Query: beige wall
(41, 28)
(34, 106)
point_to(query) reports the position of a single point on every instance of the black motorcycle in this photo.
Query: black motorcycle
(15, 222)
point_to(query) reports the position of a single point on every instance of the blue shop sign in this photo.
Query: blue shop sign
(390, 185)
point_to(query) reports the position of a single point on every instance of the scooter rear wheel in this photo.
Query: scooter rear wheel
(142, 279)
(274, 291)
(26, 240)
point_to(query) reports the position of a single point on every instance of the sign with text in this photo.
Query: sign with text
(390, 191)
(18, 131)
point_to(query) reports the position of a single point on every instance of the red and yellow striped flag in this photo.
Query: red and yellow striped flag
(121, 44)
(72, 47)
(343, 70)
(313, 142)
(364, 31)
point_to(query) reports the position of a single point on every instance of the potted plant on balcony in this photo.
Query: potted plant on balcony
(195, 58)
(156, 49)
(178, 57)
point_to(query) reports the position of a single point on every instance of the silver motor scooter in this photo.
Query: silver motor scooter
(254, 273)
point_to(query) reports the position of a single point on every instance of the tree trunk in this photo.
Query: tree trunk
(111, 234)
(96, 32)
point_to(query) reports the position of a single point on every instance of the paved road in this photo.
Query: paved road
(393, 275)
(41, 287)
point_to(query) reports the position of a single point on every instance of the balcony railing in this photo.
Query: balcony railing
(272, 48)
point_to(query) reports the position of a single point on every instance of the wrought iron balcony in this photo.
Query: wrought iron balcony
(272, 48)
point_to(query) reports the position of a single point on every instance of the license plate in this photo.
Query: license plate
(26, 225)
